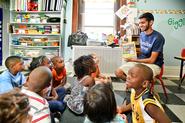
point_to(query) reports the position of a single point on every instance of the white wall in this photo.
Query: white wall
(67, 53)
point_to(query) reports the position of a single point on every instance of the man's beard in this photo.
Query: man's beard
(147, 27)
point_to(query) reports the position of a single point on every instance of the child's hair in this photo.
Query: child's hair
(94, 57)
(54, 60)
(84, 65)
(100, 104)
(147, 72)
(36, 62)
(14, 107)
(12, 60)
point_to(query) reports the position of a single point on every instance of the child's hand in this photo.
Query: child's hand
(50, 98)
(109, 79)
(63, 81)
(54, 94)
(124, 117)
(119, 109)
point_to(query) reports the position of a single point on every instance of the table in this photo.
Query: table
(181, 68)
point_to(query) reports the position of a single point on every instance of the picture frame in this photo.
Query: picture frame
(129, 50)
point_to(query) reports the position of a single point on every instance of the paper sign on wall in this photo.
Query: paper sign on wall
(123, 12)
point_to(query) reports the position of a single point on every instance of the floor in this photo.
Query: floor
(174, 106)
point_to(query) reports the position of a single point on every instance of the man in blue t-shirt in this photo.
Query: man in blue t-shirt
(151, 44)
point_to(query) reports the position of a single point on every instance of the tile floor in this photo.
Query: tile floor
(174, 106)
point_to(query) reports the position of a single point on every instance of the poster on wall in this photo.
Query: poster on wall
(1, 35)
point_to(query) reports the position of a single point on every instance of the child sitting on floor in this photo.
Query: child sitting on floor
(58, 72)
(54, 96)
(100, 106)
(98, 77)
(37, 81)
(12, 77)
(144, 105)
(40, 61)
(83, 67)
(14, 107)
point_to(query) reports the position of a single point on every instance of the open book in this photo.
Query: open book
(129, 50)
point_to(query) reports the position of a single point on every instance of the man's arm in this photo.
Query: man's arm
(156, 113)
(149, 60)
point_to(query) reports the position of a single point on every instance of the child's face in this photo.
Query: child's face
(96, 60)
(59, 63)
(46, 62)
(19, 66)
(93, 68)
(134, 78)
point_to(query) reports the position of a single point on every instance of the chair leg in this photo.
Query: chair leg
(163, 86)
(181, 80)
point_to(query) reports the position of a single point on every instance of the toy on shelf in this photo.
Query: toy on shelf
(32, 6)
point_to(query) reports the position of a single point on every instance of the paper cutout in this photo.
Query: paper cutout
(123, 12)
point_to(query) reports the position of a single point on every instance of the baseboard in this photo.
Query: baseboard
(171, 71)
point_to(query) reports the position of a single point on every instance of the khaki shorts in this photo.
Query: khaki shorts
(155, 68)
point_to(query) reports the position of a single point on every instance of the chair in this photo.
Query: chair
(183, 52)
(159, 77)
(182, 78)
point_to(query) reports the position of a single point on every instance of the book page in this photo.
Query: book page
(129, 50)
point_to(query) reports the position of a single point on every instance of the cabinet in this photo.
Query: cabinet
(36, 30)
(109, 58)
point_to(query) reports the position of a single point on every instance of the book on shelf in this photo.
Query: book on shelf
(36, 5)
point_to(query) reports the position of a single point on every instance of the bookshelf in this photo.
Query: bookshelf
(36, 27)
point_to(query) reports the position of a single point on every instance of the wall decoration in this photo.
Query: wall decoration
(159, 11)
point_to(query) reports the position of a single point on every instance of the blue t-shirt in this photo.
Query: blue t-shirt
(9, 81)
(152, 43)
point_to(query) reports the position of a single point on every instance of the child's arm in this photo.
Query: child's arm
(124, 108)
(53, 95)
(62, 82)
(102, 76)
(156, 113)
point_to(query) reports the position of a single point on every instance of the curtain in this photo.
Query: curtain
(78, 8)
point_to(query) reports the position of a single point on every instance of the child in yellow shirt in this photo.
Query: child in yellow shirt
(144, 105)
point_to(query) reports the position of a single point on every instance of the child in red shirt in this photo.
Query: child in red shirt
(59, 72)
(98, 77)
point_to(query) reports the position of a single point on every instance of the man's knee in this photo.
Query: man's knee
(119, 73)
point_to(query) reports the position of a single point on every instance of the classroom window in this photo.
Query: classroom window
(97, 16)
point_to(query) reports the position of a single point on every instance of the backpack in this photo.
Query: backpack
(78, 38)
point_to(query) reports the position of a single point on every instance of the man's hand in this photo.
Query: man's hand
(130, 59)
